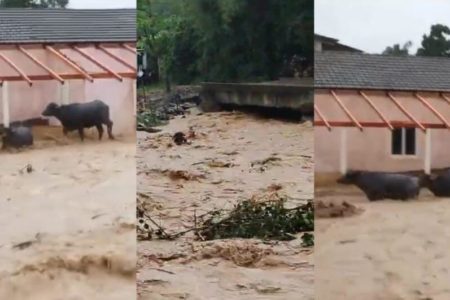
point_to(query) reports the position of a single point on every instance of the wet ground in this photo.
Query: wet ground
(389, 250)
(68, 226)
(230, 157)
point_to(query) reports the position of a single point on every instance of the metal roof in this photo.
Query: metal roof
(64, 62)
(340, 69)
(360, 108)
(67, 25)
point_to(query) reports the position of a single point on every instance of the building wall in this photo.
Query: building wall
(370, 149)
(119, 97)
(28, 102)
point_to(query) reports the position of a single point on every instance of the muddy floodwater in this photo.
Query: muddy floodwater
(231, 156)
(68, 223)
(388, 250)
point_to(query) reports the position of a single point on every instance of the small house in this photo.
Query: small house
(66, 56)
(381, 113)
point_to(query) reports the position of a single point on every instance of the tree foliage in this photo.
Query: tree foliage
(34, 3)
(398, 50)
(437, 42)
(159, 30)
(224, 40)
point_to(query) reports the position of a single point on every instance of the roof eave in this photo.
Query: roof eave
(381, 89)
(125, 40)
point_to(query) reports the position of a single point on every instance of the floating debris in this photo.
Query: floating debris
(147, 120)
(219, 164)
(28, 168)
(249, 219)
(179, 138)
(265, 220)
(263, 165)
(181, 174)
(331, 210)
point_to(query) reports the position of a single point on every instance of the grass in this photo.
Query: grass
(148, 119)
(159, 86)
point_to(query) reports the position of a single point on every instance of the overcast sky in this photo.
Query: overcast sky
(371, 25)
(102, 3)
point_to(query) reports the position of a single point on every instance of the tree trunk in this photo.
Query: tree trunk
(167, 83)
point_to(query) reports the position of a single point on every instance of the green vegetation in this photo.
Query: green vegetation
(224, 40)
(268, 220)
(265, 220)
(436, 43)
(150, 88)
(398, 50)
(148, 119)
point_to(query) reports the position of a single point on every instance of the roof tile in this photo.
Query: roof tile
(67, 25)
(339, 69)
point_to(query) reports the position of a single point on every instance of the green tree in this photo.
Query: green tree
(437, 43)
(224, 40)
(250, 39)
(398, 50)
(16, 3)
(55, 3)
(34, 3)
(158, 34)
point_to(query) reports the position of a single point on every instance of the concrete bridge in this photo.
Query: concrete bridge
(295, 94)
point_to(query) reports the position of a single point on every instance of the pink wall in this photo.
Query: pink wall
(119, 97)
(28, 102)
(371, 148)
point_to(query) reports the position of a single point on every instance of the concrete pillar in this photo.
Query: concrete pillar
(65, 92)
(343, 151)
(427, 154)
(5, 104)
(59, 93)
(134, 87)
(144, 60)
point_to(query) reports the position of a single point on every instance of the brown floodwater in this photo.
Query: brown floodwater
(232, 157)
(389, 250)
(68, 227)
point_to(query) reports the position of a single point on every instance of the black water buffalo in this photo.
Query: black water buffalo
(439, 185)
(380, 185)
(17, 137)
(78, 116)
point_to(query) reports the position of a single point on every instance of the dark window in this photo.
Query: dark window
(410, 141)
(397, 141)
(403, 141)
